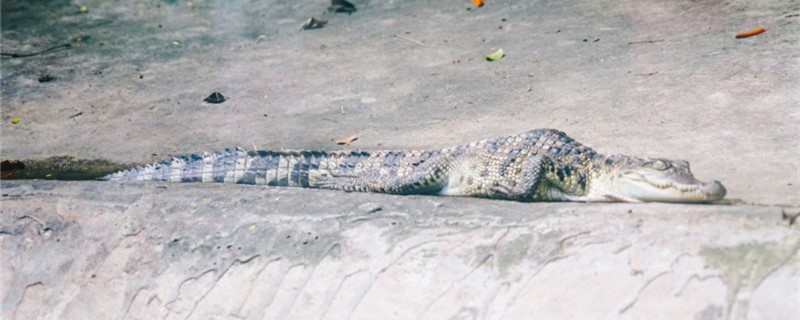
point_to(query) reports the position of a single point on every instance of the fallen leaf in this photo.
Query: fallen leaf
(342, 6)
(478, 3)
(215, 97)
(750, 33)
(346, 140)
(314, 23)
(497, 55)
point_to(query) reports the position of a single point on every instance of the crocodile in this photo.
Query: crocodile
(538, 165)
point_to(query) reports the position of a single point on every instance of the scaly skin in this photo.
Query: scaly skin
(538, 165)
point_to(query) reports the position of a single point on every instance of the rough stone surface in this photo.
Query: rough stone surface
(660, 79)
(157, 250)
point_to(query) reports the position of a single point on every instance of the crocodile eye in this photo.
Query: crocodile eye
(659, 165)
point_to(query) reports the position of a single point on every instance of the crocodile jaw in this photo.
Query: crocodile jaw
(633, 188)
(655, 180)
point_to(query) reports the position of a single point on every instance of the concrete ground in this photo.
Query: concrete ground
(656, 78)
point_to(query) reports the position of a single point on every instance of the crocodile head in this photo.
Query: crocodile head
(634, 179)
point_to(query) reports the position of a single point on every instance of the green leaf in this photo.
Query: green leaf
(497, 55)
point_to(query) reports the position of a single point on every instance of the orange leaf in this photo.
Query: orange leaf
(478, 3)
(750, 33)
(346, 140)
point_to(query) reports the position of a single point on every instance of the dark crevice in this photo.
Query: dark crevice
(59, 168)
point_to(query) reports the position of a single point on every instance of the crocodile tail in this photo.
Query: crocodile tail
(394, 171)
(274, 168)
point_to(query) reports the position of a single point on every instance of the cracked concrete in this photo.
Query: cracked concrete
(664, 79)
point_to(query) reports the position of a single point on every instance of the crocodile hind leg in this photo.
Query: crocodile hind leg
(416, 184)
(515, 177)
(425, 175)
